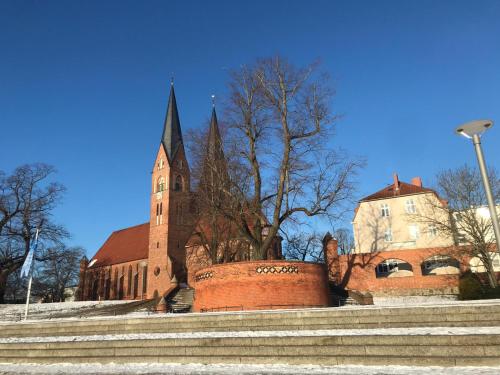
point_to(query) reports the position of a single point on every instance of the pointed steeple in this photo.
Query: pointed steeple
(215, 152)
(214, 175)
(172, 135)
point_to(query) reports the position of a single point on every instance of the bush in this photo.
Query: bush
(470, 288)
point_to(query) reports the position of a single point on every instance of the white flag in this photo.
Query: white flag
(28, 262)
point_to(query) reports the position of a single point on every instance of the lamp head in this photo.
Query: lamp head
(472, 128)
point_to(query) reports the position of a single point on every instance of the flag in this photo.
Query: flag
(28, 262)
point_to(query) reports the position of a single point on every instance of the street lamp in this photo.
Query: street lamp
(473, 130)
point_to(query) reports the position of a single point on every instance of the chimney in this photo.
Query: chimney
(396, 182)
(417, 181)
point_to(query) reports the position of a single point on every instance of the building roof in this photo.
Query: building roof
(122, 246)
(172, 135)
(402, 189)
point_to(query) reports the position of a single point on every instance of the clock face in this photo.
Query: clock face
(158, 196)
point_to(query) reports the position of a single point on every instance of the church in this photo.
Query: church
(149, 260)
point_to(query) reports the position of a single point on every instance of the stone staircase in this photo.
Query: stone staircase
(338, 300)
(330, 336)
(181, 301)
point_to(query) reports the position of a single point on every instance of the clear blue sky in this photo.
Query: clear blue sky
(84, 86)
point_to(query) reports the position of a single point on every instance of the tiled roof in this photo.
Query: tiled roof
(403, 189)
(124, 245)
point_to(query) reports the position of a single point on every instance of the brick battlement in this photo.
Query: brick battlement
(261, 285)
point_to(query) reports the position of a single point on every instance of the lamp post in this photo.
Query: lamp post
(473, 130)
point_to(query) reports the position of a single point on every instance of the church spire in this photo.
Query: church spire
(214, 174)
(215, 150)
(172, 135)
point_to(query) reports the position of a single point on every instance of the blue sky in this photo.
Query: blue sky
(84, 86)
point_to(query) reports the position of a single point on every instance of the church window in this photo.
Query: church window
(178, 183)
(144, 279)
(157, 271)
(160, 164)
(129, 281)
(157, 245)
(160, 185)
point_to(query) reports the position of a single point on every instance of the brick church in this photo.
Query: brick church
(149, 260)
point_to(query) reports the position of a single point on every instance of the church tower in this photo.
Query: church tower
(169, 226)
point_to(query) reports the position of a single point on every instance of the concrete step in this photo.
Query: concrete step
(331, 318)
(181, 301)
(368, 349)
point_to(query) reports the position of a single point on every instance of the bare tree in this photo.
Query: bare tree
(29, 197)
(282, 162)
(459, 216)
(345, 240)
(304, 246)
(213, 234)
(59, 270)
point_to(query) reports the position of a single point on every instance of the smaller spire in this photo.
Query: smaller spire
(214, 176)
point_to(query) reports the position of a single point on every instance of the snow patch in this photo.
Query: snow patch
(184, 369)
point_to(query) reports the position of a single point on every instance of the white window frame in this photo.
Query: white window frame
(414, 232)
(432, 231)
(388, 235)
(410, 206)
(385, 211)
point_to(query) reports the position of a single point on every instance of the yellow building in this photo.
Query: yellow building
(392, 219)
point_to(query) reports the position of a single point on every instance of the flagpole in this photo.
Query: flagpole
(29, 283)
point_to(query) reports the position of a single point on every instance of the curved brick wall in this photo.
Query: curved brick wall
(261, 285)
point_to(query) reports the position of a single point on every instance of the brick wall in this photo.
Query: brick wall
(118, 281)
(260, 285)
(357, 271)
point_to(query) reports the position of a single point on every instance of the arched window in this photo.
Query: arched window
(393, 268)
(440, 265)
(129, 281)
(160, 184)
(144, 279)
(115, 285)
(160, 164)
(178, 183)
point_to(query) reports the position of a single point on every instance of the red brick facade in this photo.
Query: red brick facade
(261, 285)
(126, 281)
(170, 226)
(358, 271)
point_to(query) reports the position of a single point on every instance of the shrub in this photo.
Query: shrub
(470, 287)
